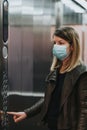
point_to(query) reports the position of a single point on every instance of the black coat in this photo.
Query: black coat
(73, 106)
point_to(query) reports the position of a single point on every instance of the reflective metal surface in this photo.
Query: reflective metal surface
(5, 52)
(30, 25)
(1, 59)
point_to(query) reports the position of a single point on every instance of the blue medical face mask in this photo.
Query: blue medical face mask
(60, 51)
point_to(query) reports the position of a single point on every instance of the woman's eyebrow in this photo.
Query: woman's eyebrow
(59, 41)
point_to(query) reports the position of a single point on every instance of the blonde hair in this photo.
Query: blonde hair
(69, 34)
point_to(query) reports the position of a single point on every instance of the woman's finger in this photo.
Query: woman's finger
(11, 113)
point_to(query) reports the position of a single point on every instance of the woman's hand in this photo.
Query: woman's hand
(18, 116)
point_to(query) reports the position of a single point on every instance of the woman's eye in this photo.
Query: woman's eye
(61, 43)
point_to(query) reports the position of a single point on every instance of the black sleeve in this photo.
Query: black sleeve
(82, 90)
(35, 109)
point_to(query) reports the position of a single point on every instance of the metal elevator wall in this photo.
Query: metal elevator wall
(31, 24)
(30, 28)
(29, 49)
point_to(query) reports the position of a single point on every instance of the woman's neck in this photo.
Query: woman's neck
(64, 64)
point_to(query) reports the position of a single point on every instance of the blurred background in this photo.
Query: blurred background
(26, 28)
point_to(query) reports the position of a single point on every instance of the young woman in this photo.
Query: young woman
(64, 106)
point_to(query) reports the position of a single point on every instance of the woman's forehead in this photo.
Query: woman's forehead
(57, 38)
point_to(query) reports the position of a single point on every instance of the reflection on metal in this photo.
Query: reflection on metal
(5, 5)
(30, 94)
(6, 43)
(29, 49)
(28, 12)
(59, 13)
(5, 20)
(1, 56)
(73, 6)
(82, 3)
(70, 17)
(84, 18)
(5, 52)
(72, 12)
